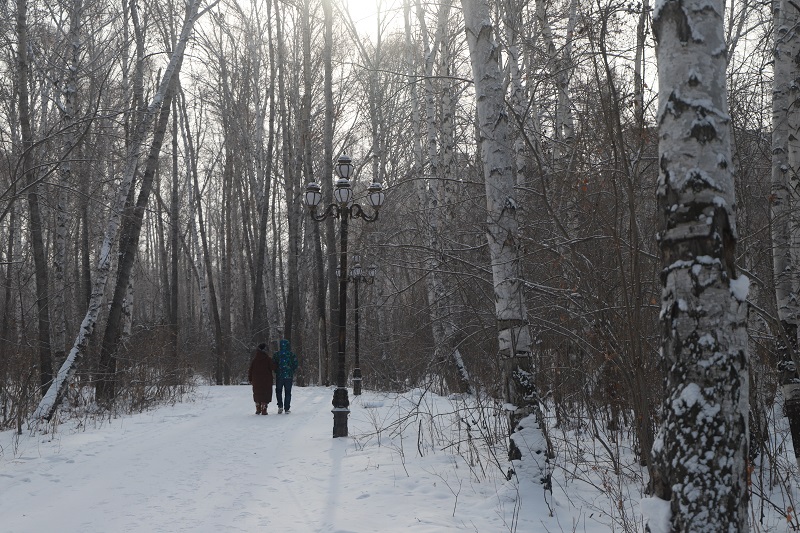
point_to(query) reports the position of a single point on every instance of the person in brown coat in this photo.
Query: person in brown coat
(260, 377)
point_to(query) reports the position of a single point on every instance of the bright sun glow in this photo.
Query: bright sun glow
(366, 14)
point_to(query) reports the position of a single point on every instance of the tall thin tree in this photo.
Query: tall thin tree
(784, 202)
(31, 184)
(497, 156)
(700, 453)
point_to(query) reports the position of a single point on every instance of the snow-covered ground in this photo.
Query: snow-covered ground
(413, 462)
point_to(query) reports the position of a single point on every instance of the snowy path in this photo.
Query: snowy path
(211, 465)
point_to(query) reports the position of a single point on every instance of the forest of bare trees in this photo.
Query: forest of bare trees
(152, 227)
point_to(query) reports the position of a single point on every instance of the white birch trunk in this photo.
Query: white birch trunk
(791, 44)
(560, 60)
(65, 178)
(52, 397)
(429, 195)
(564, 75)
(127, 314)
(523, 103)
(700, 453)
(560, 65)
(428, 189)
(514, 339)
(447, 113)
(59, 268)
(785, 202)
(448, 193)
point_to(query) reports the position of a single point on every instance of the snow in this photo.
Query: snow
(689, 396)
(697, 175)
(413, 462)
(658, 514)
(211, 464)
(740, 287)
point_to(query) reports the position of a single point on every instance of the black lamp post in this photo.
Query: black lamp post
(357, 275)
(343, 208)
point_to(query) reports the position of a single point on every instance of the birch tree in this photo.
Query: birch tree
(132, 227)
(68, 111)
(700, 453)
(561, 67)
(8, 310)
(55, 392)
(428, 165)
(785, 201)
(497, 156)
(174, 234)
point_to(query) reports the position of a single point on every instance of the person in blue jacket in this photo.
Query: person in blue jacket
(285, 365)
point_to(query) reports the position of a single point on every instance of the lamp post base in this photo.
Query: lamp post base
(341, 410)
(340, 415)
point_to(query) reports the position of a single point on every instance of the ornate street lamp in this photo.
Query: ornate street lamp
(343, 208)
(357, 275)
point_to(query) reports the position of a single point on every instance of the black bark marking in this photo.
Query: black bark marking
(704, 131)
(674, 12)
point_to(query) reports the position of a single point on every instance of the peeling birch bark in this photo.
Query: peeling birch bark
(700, 453)
(513, 335)
(784, 204)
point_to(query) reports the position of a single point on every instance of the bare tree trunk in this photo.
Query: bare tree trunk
(639, 63)
(8, 311)
(127, 313)
(292, 173)
(196, 227)
(65, 179)
(161, 254)
(326, 372)
(106, 382)
(700, 452)
(174, 232)
(560, 59)
(785, 201)
(260, 330)
(86, 261)
(273, 297)
(316, 236)
(430, 196)
(34, 215)
(497, 156)
(448, 192)
(225, 234)
(219, 346)
(522, 100)
(305, 169)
